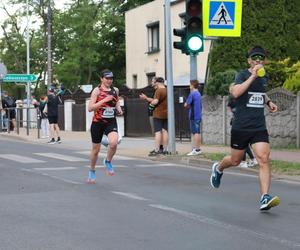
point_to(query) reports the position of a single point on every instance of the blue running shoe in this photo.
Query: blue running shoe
(91, 177)
(215, 178)
(267, 201)
(109, 167)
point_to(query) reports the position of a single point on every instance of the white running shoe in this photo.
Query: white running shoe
(194, 152)
(252, 163)
(243, 164)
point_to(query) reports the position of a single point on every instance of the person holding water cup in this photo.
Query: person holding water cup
(249, 125)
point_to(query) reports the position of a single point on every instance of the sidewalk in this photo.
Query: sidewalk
(140, 147)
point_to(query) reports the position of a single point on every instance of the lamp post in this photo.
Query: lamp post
(28, 66)
(49, 46)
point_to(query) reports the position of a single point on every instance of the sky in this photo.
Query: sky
(58, 4)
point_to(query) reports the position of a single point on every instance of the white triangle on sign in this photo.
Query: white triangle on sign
(221, 16)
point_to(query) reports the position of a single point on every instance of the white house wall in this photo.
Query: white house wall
(139, 62)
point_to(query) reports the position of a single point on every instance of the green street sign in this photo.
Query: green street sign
(19, 78)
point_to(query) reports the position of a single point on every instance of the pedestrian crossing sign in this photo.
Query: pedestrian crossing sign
(222, 18)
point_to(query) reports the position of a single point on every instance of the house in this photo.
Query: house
(145, 46)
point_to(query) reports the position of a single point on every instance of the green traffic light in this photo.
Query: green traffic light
(194, 43)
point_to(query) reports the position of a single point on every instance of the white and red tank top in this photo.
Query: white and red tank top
(108, 110)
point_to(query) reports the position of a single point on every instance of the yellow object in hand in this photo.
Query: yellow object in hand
(261, 72)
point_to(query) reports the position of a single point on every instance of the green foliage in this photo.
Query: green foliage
(86, 38)
(219, 83)
(275, 25)
(293, 82)
(278, 72)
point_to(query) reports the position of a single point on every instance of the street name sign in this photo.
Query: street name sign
(19, 78)
(222, 18)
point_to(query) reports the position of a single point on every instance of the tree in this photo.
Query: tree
(273, 25)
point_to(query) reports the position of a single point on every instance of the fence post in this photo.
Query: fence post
(88, 115)
(18, 120)
(68, 114)
(298, 120)
(224, 122)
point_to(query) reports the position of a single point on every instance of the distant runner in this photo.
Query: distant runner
(105, 104)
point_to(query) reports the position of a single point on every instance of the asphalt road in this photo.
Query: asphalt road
(150, 205)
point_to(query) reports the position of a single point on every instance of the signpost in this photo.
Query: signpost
(222, 18)
(19, 78)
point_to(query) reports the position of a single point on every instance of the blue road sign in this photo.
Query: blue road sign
(221, 15)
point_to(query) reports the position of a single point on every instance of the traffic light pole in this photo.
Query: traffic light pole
(170, 91)
(193, 67)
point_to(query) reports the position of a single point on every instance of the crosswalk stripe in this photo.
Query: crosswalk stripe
(115, 166)
(102, 155)
(19, 158)
(55, 169)
(61, 157)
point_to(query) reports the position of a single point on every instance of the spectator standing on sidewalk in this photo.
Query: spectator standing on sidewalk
(159, 105)
(52, 113)
(105, 104)
(150, 109)
(9, 104)
(44, 118)
(249, 125)
(194, 104)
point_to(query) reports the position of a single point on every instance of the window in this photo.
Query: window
(153, 37)
(150, 76)
(134, 81)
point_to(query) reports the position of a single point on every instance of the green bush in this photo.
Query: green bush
(219, 83)
(292, 83)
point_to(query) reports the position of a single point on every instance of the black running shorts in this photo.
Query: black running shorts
(99, 128)
(52, 119)
(240, 139)
(160, 124)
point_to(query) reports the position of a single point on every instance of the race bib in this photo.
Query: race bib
(256, 100)
(108, 112)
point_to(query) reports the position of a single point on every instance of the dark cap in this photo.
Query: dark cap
(159, 79)
(257, 50)
(107, 74)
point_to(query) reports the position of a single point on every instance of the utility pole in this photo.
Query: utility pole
(28, 68)
(170, 90)
(49, 45)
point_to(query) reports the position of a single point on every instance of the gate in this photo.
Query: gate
(136, 112)
(136, 118)
(61, 117)
(78, 117)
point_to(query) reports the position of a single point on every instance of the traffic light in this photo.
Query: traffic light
(182, 44)
(194, 26)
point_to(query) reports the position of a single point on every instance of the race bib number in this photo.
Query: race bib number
(108, 113)
(256, 100)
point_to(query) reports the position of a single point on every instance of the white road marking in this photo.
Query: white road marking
(226, 226)
(19, 158)
(53, 177)
(102, 155)
(61, 157)
(55, 169)
(115, 166)
(154, 164)
(130, 196)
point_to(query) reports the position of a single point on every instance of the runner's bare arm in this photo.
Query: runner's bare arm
(238, 89)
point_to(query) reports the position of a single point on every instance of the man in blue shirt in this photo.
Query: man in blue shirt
(194, 104)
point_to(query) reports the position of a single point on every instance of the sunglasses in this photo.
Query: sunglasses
(258, 57)
(109, 78)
